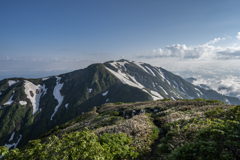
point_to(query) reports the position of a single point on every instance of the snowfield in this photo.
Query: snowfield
(10, 101)
(126, 79)
(34, 93)
(12, 82)
(57, 95)
(23, 102)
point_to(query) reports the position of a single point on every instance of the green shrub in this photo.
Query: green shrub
(115, 113)
(76, 145)
(215, 113)
(118, 103)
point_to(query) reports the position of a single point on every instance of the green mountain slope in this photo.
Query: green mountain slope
(31, 107)
(167, 85)
(78, 92)
(184, 129)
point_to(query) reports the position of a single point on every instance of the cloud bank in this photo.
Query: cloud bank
(227, 85)
(201, 52)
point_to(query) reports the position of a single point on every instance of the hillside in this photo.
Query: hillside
(163, 129)
(31, 107)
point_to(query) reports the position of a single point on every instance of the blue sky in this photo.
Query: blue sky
(40, 38)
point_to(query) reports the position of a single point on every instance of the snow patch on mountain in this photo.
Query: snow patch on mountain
(153, 85)
(181, 83)
(173, 99)
(66, 105)
(45, 78)
(90, 90)
(123, 64)
(227, 101)
(107, 101)
(126, 78)
(105, 93)
(156, 95)
(10, 101)
(12, 82)
(23, 102)
(163, 90)
(11, 138)
(34, 93)
(176, 84)
(150, 70)
(13, 144)
(139, 65)
(198, 91)
(177, 95)
(57, 95)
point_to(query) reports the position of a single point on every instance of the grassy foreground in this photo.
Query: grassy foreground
(185, 129)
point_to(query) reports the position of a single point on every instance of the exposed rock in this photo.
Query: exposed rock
(123, 114)
(141, 111)
(133, 112)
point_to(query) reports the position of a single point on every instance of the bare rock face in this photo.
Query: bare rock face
(37, 91)
(31, 93)
(141, 111)
(133, 112)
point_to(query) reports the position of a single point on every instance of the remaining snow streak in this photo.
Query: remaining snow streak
(163, 90)
(150, 70)
(10, 101)
(11, 138)
(46, 78)
(105, 93)
(57, 95)
(155, 95)
(125, 78)
(14, 144)
(139, 65)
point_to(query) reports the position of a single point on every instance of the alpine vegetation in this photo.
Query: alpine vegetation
(134, 103)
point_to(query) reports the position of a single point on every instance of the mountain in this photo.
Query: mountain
(190, 79)
(31, 107)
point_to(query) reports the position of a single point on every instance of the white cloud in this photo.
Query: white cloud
(227, 85)
(215, 41)
(238, 35)
(200, 52)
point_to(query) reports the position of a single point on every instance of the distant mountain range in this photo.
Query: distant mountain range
(31, 107)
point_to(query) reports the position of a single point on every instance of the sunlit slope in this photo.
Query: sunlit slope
(160, 83)
(31, 107)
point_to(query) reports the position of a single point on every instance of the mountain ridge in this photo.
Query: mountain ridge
(31, 107)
